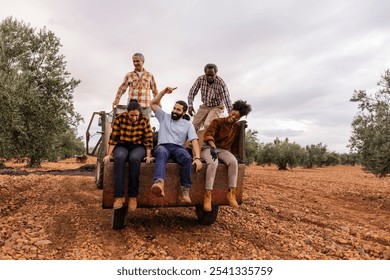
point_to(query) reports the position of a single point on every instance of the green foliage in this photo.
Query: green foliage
(350, 159)
(66, 145)
(316, 155)
(290, 155)
(251, 146)
(332, 159)
(371, 128)
(36, 93)
(282, 153)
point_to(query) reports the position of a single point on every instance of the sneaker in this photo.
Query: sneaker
(158, 188)
(132, 203)
(231, 197)
(185, 195)
(118, 202)
(207, 201)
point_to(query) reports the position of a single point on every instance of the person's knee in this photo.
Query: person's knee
(184, 155)
(120, 156)
(136, 158)
(232, 163)
(160, 151)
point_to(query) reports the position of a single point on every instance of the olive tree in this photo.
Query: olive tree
(36, 92)
(252, 147)
(282, 153)
(371, 127)
(316, 155)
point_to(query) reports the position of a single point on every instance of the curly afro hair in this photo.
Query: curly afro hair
(242, 106)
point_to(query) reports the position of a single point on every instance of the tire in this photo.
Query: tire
(119, 218)
(205, 217)
(99, 173)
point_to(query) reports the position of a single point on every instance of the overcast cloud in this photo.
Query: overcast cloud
(296, 62)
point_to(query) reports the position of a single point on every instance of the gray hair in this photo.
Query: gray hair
(140, 55)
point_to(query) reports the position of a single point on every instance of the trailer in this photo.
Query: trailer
(104, 177)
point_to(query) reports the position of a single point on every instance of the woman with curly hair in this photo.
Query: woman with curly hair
(220, 137)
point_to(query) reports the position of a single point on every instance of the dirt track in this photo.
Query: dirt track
(324, 213)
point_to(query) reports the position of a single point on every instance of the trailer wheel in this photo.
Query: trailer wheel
(206, 217)
(119, 218)
(99, 172)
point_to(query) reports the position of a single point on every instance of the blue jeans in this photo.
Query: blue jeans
(163, 152)
(134, 154)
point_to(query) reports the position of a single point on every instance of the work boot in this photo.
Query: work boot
(158, 188)
(231, 197)
(132, 203)
(185, 195)
(207, 201)
(118, 202)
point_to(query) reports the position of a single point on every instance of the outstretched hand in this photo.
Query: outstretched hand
(168, 90)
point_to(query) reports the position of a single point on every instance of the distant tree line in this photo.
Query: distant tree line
(286, 155)
(369, 143)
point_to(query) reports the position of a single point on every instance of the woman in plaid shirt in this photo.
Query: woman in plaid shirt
(130, 140)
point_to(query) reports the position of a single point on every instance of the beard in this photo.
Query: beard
(210, 80)
(175, 116)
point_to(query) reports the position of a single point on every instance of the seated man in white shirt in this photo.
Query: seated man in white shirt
(173, 133)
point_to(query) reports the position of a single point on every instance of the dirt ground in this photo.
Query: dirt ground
(324, 213)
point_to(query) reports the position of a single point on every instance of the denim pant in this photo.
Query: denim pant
(163, 152)
(134, 154)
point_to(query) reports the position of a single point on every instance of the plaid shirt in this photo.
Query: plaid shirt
(212, 95)
(139, 88)
(125, 132)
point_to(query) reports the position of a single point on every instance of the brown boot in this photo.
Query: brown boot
(132, 203)
(158, 188)
(231, 197)
(207, 201)
(185, 195)
(118, 202)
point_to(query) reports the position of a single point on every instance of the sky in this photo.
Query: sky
(296, 62)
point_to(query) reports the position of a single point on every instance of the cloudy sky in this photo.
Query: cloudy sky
(296, 62)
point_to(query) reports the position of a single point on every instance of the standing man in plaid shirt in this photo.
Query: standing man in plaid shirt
(214, 94)
(140, 82)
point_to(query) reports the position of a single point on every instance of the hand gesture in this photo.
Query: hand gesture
(168, 90)
(214, 153)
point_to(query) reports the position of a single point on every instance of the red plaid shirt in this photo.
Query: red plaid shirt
(212, 95)
(139, 88)
(126, 132)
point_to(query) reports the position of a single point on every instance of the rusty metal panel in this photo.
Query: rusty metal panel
(172, 186)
